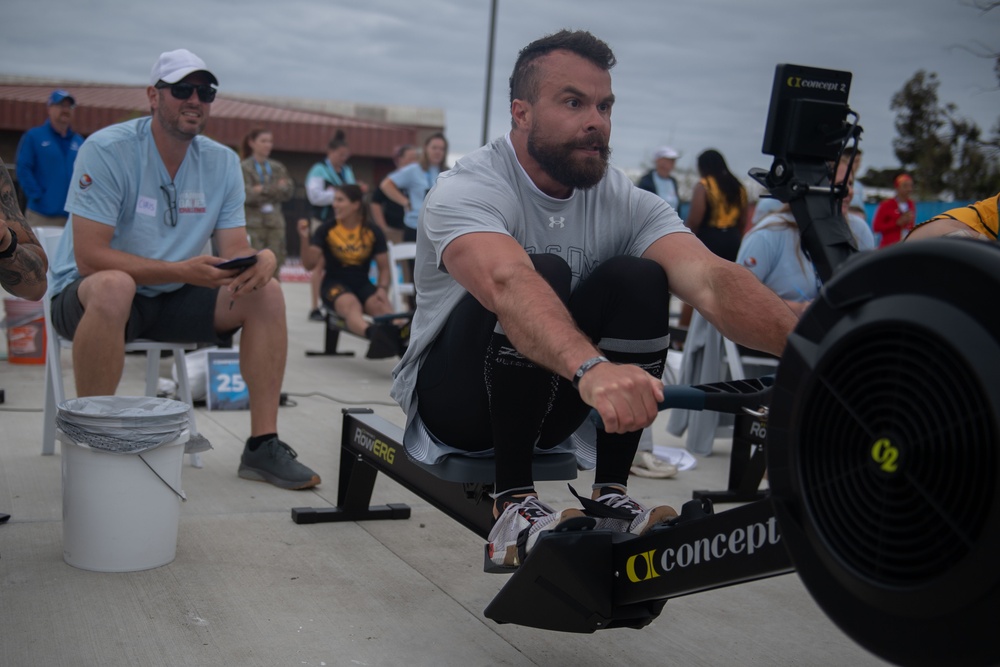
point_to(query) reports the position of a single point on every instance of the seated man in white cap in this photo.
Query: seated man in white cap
(145, 198)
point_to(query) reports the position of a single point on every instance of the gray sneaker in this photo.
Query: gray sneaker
(274, 462)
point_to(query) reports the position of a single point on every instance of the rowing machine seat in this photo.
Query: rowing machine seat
(459, 468)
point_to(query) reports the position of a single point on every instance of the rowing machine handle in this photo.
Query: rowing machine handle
(731, 397)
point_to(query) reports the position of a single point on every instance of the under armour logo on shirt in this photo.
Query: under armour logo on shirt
(553, 221)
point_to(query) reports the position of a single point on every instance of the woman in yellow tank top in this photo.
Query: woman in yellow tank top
(718, 213)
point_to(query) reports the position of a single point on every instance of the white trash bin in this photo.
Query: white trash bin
(121, 508)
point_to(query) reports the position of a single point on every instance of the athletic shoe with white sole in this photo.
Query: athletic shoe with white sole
(520, 524)
(617, 511)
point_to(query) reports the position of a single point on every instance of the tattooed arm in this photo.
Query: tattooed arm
(23, 273)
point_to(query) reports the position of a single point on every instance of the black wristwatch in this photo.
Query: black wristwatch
(12, 248)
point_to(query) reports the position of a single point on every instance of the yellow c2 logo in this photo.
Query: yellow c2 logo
(650, 573)
(885, 455)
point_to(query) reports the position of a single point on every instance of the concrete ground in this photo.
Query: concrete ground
(250, 587)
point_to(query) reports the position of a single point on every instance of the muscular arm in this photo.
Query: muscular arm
(498, 272)
(945, 227)
(726, 294)
(23, 274)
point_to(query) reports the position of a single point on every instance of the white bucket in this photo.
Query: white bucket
(117, 515)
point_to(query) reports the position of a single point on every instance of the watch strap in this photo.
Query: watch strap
(584, 367)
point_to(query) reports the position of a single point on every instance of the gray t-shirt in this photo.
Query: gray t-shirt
(489, 191)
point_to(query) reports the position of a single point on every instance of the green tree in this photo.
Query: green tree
(919, 123)
(943, 151)
(976, 174)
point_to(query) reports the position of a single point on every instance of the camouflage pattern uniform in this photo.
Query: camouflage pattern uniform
(265, 221)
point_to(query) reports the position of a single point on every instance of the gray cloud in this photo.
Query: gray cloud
(692, 74)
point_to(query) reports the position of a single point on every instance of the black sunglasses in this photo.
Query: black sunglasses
(170, 190)
(183, 91)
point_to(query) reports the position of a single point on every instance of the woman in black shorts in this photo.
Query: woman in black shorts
(348, 244)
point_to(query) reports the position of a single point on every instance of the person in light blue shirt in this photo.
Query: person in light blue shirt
(146, 197)
(123, 183)
(417, 179)
(772, 250)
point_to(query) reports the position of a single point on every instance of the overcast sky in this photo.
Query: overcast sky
(694, 74)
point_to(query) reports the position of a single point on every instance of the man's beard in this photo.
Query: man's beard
(171, 123)
(559, 162)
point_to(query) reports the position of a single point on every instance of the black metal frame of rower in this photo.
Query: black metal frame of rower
(574, 581)
(747, 464)
(747, 460)
(334, 324)
(368, 445)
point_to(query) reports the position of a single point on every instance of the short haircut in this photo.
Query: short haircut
(524, 80)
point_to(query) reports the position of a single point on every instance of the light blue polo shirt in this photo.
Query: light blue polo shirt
(119, 180)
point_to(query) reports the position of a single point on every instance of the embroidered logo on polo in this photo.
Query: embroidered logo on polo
(85, 181)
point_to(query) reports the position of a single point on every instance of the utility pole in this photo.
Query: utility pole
(489, 73)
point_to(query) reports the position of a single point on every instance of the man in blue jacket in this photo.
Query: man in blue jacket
(45, 158)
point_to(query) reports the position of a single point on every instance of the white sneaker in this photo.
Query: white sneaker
(647, 464)
(519, 526)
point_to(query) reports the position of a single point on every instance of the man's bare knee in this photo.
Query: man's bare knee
(108, 294)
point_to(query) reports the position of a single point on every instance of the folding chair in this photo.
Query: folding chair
(398, 289)
(55, 392)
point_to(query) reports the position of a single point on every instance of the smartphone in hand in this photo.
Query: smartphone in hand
(237, 263)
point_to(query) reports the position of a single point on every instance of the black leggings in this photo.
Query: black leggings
(476, 392)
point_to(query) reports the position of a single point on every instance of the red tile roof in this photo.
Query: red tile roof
(22, 106)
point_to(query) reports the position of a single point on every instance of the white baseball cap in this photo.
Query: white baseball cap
(172, 66)
(667, 152)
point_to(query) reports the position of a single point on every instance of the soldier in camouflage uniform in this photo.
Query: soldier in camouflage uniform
(267, 186)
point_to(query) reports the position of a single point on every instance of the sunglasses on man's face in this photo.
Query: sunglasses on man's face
(183, 91)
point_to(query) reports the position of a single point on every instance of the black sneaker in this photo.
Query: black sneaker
(316, 315)
(384, 339)
(274, 462)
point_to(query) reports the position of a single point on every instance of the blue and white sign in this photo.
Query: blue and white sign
(226, 388)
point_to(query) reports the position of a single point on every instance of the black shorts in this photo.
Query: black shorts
(186, 315)
(360, 287)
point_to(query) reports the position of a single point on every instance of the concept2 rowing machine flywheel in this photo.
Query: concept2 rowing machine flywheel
(884, 451)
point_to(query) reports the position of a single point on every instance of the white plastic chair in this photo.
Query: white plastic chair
(55, 392)
(398, 289)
